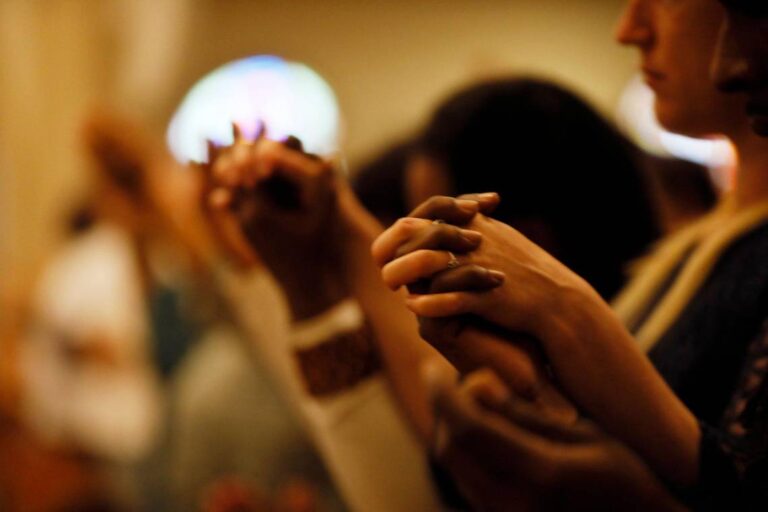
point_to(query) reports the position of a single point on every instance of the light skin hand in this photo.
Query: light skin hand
(516, 359)
(593, 357)
(530, 283)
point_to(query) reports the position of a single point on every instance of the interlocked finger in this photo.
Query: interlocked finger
(384, 249)
(440, 236)
(467, 278)
(449, 209)
(417, 265)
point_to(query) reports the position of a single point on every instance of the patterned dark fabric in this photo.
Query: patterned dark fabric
(702, 354)
(715, 357)
(734, 456)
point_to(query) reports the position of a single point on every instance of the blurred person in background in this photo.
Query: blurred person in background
(26, 460)
(380, 182)
(357, 349)
(570, 181)
(224, 417)
(362, 435)
(87, 363)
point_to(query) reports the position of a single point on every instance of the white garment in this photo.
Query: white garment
(90, 294)
(370, 450)
(230, 421)
(706, 239)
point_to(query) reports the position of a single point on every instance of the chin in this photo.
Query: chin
(675, 121)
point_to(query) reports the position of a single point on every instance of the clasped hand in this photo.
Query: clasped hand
(483, 312)
(284, 203)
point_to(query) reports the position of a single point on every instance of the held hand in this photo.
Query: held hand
(533, 284)
(594, 358)
(222, 223)
(465, 340)
(504, 454)
(285, 203)
(516, 359)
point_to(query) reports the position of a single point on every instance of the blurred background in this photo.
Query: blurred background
(138, 368)
(389, 62)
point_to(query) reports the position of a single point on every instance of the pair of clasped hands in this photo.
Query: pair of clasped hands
(505, 432)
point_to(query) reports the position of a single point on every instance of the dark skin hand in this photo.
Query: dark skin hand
(595, 359)
(285, 204)
(516, 357)
(504, 455)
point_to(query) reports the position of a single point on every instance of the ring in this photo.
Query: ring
(453, 261)
(438, 221)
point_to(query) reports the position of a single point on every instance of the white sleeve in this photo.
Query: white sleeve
(369, 448)
(372, 454)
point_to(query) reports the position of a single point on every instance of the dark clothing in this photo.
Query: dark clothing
(715, 359)
(734, 465)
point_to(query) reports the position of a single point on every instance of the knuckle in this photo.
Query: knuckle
(403, 226)
(474, 273)
(425, 261)
(444, 234)
(438, 203)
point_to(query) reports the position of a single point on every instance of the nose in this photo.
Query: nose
(634, 28)
(738, 65)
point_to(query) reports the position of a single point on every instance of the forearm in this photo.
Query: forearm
(394, 327)
(621, 390)
(360, 429)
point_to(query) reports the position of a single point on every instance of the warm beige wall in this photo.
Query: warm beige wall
(389, 61)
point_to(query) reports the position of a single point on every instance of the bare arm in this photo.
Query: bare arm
(593, 357)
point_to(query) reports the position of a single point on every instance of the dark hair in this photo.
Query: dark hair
(379, 183)
(554, 161)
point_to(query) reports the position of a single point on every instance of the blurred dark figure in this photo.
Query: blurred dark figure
(682, 191)
(568, 179)
(380, 183)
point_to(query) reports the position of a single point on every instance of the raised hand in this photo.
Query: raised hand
(285, 205)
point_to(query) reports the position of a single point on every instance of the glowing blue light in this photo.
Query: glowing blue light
(288, 97)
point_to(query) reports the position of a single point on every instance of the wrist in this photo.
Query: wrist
(312, 290)
(565, 311)
(334, 349)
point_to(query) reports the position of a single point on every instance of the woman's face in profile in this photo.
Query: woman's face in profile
(677, 40)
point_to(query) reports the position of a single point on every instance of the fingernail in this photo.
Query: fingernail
(496, 276)
(489, 195)
(472, 237)
(468, 205)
